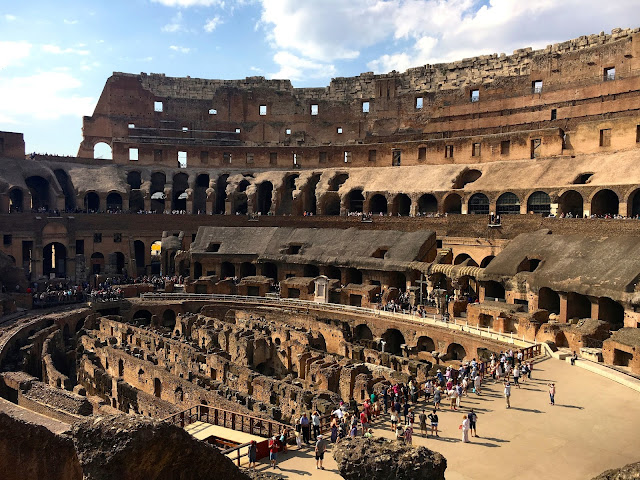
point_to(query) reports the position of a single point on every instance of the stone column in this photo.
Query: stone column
(562, 317)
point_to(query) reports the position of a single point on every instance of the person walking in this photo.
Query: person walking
(437, 398)
(507, 393)
(477, 383)
(473, 418)
(433, 417)
(315, 421)
(516, 376)
(321, 447)
(465, 429)
(552, 393)
(253, 454)
(306, 429)
(423, 424)
(394, 420)
(408, 435)
(273, 451)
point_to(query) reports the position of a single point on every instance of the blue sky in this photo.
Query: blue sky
(56, 56)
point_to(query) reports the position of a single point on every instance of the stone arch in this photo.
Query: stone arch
(571, 202)
(465, 177)
(578, 306)
(486, 260)
(330, 204)
(140, 257)
(97, 263)
(337, 181)
(41, 192)
(455, 351)
(178, 395)
(494, 289)
(425, 344)
(353, 275)
(508, 204)
(67, 188)
(362, 332)
(311, 270)
(54, 260)
(270, 270)
(539, 203)
(633, 203)
(179, 195)
(401, 205)
(227, 270)
(428, 203)
(158, 181)
(462, 257)
(355, 201)
(221, 193)
(114, 202)
(142, 317)
(197, 270)
(102, 151)
(605, 202)
(169, 319)
(549, 300)
(91, 202)
(479, 204)
(200, 193)
(286, 194)
(378, 204)
(16, 200)
(394, 339)
(452, 204)
(119, 259)
(134, 179)
(309, 197)
(611, 311)
(264, 198)
(247, 269)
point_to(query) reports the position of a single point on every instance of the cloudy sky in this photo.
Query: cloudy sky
(56, 56)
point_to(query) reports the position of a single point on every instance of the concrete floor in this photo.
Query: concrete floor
(594, 426)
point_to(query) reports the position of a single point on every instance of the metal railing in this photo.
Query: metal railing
(428, 319)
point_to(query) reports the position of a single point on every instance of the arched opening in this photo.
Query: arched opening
(363, 332)
(452, 204)
(336, 182)
(169, 319)
(142, 317)
(134, 180)
(241, 203)
(66, 332)
(428, 203)
(178, 395)
(318, 342)
(180, 185)
(118, 259)
(331, 204)
(570, 203)
(611, 311)
(200, 194)
(247, 269)
(605, 202)
(40, 193)
(157, 387)
(426, 344)
(633, 204)
(114, 202)
(508, 204)
(158, 181)
(378, 204)
(455, 351)
(539, 203)
(67, 188)
(549, 300)
(333, 272)
(494, 290)
(102, 151)
(120, 368)
(461, 258)
(578, 306)
(486, 261)
(139, 253)
(310, 205)
(97, 263)
(311, 271)
(479, 204)
(16, 200)
(197, 270)
(91, 202)
(355, 201)
(528, 265)
(265, 191)
(466, 177)
(221, 193)
(270, 270)
(402, 205)
(394, 341)
(286, 196)
(156, 257)
(354, 276)
(227, 270)
(54, 260)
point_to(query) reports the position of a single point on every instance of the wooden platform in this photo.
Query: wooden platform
(202, 431)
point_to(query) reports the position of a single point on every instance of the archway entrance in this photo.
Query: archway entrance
(54, 260)
(570, 203)
(362, 332)
(427, 203)
(91, 202)
(402, 205)
(455, 351)
(265, 191)
(378, 204)
(605, 202)
(452, 204)
(395, 340)
(479, 204)
(355, 201)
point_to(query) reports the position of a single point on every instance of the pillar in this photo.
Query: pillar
(563, 307)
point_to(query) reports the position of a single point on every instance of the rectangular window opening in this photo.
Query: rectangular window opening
(213, 111)
(605, 137)
(505, 146)
(535, 147)
(288, 131)
(347, 157)
(226, 158)
(237, 130)
(365, 107)
(204, 157)
(339, 130)
(263, 110)
(182, 159)
(185, 129)
(249, 158)
(132, 125)
(373, 155)
(419, 103)
(637, 133)
(117, 238)
(314, 109)
(97, 238)
(609, 74)
(273, 158)
(158, 106)
(133, 154)
(396, 157)
(554, 114)
(295, 159)
(322, 157)
(448, 151)
(7, 239)
(422, 154)
(475, 95)
(79, 247)
(537, 86)
(476, 150)
(157, 155)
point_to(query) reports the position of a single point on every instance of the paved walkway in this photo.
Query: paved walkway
(594, 426)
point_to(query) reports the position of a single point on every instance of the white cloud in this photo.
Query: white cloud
(13, 52)
(177, 48)
(56, 50)
(293, 67)
(70, 22)
(212, 23)
(256, 69)
(190, 3)
(46, 95)
(9, 18)
(174, 25)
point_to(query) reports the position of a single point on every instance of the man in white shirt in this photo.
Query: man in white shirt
(507, 393)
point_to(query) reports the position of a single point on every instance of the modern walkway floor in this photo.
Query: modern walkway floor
(594, 426)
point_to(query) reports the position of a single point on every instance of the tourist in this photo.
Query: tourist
(473, 418)
(400, 433)
(306, 429)
(437, 397)
(423, 424)
(574, 357)
(321, 447)
(516, 376)
(334, 430)
(315, 421)
(364, 421)
(385, 398)
(354, 431)
(253, 453)
(273, 451)
(477, 383)
(453, 396)
(369, 433)
(507, 393)
(284, 437)
(433, 418)
(408, 435)
(394, 420)
(465, 429)
(552, 393)
(406, 410)
(529, 369)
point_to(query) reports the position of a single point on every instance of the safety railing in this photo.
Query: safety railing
(427, 319)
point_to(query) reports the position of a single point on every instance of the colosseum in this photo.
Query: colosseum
(224, 256)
